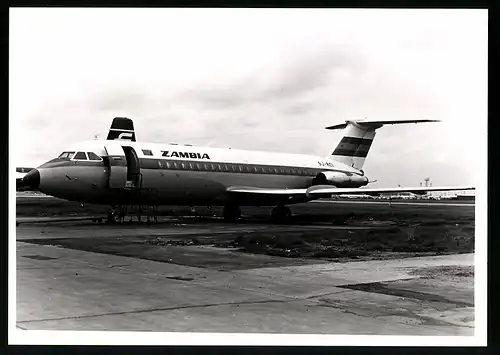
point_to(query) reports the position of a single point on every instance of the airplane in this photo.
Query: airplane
(121, 171)
(20, 174)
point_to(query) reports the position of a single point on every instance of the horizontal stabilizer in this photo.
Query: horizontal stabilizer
(376, 124)
(358, 136)
(122, 128)
(325, 190)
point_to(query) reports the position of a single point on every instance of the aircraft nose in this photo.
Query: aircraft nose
(32, 179)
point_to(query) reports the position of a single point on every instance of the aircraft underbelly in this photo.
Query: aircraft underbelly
(91, 185)
(209, 187)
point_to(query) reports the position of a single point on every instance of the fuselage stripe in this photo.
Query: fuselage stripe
(351, 153)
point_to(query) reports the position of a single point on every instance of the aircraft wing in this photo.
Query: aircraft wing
(319, 191)
(258, 196)
(265, 191)
(325, 190)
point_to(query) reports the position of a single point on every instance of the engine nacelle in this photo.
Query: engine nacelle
(339, 179)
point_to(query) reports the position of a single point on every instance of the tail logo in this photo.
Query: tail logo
(353, 147)
(125, 135)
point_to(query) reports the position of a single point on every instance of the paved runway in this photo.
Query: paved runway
(63, 286)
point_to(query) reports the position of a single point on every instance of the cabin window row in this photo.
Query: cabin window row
(235, 168)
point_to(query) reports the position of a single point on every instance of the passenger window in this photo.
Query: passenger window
(168, 165)
(80, 156)
(183, 165)
(174, 164)
(191, 166)
(219, 167)
(147, 152)
(93, 156)
(225, 167)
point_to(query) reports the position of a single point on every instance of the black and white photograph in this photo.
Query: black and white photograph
(247, 176)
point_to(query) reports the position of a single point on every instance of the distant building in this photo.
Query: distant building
(399, 195)
(452, 195)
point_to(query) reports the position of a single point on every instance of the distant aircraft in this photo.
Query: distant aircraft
(121, 172)
(20, 174)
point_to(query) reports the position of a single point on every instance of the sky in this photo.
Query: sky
(259, 79)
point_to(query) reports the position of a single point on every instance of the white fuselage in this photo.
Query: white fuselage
(177, 174)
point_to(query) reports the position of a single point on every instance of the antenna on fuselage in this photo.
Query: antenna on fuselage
(96, 136)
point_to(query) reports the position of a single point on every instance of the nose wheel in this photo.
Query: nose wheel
(231, 213)
(281, 213)
(114, 216)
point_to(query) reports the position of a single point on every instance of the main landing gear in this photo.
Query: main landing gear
(281, 213)
(115, 215)
(231, 213)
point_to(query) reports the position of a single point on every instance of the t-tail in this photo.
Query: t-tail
(122, 128)
(358, 138)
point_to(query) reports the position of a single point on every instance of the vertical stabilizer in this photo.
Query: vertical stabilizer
(122, 128)
(358, 138)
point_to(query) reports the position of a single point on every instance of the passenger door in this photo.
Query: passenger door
(117, 165)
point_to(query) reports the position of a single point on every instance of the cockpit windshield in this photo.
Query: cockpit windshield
(66, 155)
(93, 156)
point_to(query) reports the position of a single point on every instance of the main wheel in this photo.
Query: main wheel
(281, 213)
(231, 213)
(114, 217)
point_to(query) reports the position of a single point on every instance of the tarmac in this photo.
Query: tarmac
(79, 275)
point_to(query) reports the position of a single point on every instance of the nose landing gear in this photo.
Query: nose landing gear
(117, 215)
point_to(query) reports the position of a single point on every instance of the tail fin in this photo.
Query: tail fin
(122, 128)
(358, 138)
